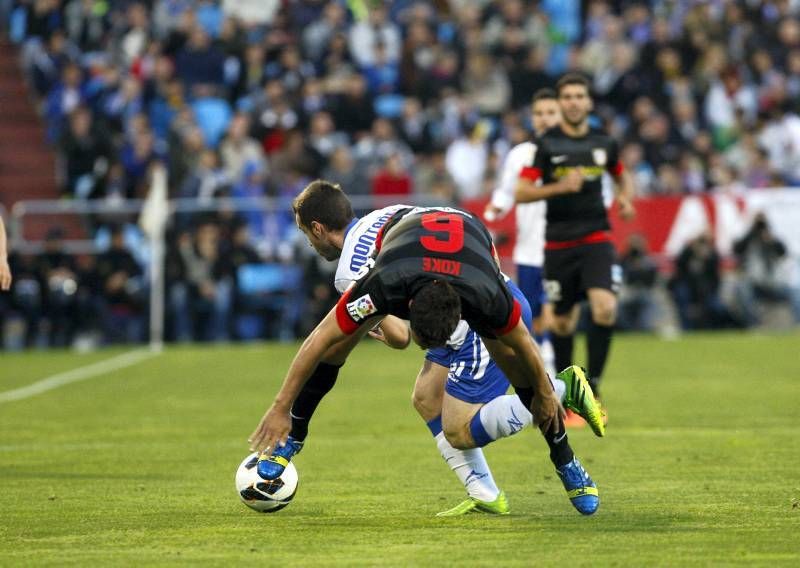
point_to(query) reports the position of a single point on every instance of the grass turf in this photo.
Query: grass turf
(136, 467)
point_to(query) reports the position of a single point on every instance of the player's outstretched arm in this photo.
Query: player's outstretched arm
(275, 425)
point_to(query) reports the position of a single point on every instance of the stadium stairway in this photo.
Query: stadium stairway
(27, 163)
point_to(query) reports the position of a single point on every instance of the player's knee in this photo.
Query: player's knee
(562, 325)
(605, 314)
(459, 437)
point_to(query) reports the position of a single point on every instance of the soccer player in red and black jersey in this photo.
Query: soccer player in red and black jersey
(435, 266)
(579, 258)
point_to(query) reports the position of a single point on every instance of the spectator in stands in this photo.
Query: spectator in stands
(637, 306)
(467, 159)
(352, 109)
(343, 170)
(58, 276)
(27, 301)
(122, 289)
(377, 30)
(318, 35)
(414, 127)
(695, 286)
(86, 155)
(238, 149)
(65, 97)
(322, 135)
(759, 254)
(199, 62)
(392, 179)
(208, 179)
(208, 275)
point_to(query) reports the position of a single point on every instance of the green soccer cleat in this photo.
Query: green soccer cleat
(472, 505)
(580, 399)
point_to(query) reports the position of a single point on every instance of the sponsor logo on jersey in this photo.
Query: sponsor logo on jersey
(589, 172)
(361, 308)
(441, 266)
(365, 244)
(599, 156)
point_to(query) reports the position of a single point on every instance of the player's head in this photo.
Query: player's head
(434, 313)
(323, 211)
(545, 110)
(574, 98)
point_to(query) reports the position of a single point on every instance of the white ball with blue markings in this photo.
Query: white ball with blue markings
(264, 495)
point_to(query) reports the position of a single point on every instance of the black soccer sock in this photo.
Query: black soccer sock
(560, 450)
(562, 347)
(318, 385)
(598, 344)
(525, 396)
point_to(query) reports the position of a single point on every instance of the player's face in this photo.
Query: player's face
(575, 104)
(317, 238)
(545, 114)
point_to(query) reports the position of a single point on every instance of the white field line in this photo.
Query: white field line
(75, 375)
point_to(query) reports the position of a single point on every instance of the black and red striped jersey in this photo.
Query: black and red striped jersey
(575, 215)
(420, 245)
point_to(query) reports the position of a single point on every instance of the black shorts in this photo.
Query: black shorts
(569, 272)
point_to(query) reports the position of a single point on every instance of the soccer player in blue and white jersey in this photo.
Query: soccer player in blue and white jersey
(459, 392)
(530, 217)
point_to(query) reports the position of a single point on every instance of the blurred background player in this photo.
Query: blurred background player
(398, 283)
(580, 261)
(530, 217)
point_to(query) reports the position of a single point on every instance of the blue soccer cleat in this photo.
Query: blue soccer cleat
(272, 467)
(581, 490)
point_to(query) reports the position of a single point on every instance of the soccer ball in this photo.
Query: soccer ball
(264, 495)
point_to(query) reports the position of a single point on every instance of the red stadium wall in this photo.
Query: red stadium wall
(669, 222)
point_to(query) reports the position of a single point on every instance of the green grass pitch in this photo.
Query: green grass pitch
(699, 466)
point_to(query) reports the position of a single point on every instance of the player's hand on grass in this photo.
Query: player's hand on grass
(5, 275)
(272, 431)
(546, 410)
(572, 181)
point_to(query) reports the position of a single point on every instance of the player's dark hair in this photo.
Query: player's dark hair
(434, 313)
(324, 202)
(572, 79)
(544, 94)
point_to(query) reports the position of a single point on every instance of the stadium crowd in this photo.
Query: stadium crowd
(252, 98)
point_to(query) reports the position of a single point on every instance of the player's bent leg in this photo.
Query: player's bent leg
(428, 391)
(470, 465)
(319, 384)
(456, 417)
(603, 304)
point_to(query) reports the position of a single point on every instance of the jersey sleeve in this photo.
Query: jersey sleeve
(534, 169)
(614, 166)
(518, 157)
(363, 300)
